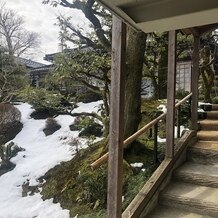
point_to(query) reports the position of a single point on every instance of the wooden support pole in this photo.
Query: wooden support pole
(194, 83)
(115, 165)
(171, 84)
(155, 142)
(178, 121)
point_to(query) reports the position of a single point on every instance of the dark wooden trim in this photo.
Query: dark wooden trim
(115, 166)
(178, 121)
(155, 142)
(171, 86)
(194, 83)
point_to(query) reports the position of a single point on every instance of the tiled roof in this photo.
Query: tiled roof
(29, 63)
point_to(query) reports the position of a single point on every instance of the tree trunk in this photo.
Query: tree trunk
(208, 80)
(162, 73)
(136, 42)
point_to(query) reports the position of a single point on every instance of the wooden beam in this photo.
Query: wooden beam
(194, 83)
(115, 167)
(171, 84)
(194, 31)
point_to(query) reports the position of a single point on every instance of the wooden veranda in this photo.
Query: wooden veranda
(193, 17)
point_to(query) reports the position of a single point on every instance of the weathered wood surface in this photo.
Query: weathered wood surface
(171, 86)
(199, 174)
(194, 82)
(195, 198)
(205, 152)
(116, 135)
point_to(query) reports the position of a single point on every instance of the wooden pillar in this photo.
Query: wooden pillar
(194, 83)
(171, 84)
(115, 165)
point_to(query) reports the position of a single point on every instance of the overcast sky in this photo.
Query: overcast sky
(40, 18)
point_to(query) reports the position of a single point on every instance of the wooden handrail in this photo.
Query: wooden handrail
(133, 137)
(183, 100)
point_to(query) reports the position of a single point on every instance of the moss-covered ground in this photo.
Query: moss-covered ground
(76, 187)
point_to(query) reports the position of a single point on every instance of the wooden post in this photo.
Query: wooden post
(155, 142)
(178, 121)
(194, 83)
(115, 165)
(171, 84)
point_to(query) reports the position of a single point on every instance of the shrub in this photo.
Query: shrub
(76, 124)
(93, 129)
(215, 100)
(88, 96)
(94, 187)
(181, 93)
(10, 124)
(9, 114)
(6, 153)
(51, 126)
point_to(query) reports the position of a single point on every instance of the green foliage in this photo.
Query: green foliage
(85, 122)
(9, 122)
(8, 151)
(215, 100)
(181, 93)
(12, 77)
(134, 184)
(94, 186)
(8, 114)
(51, 126)
(41, 98)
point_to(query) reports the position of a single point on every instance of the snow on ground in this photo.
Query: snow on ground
(41, 154)
(137, 165)
(182, 128)
(162, 108)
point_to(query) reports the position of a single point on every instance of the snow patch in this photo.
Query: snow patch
(136, 165)
(41, 154)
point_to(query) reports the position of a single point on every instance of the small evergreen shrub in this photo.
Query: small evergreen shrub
(181, 93)
(93, 129)
(10, 124)
(87, 127)
(42, 114)
(8, 151)
(94, 187)
(88, 96)
(9, 114)
(51, 126)
(76, 124)
(215, 100)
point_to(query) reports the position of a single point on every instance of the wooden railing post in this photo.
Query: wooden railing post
(171, 84)
(155, 142)
(178, 121)
(115, 165)
(194, 83)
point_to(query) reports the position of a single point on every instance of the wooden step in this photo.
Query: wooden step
(199, 174)
(193, 198)
(212, 115)
(209, 124)
(205, 152)
(215, 107)
(169, 212)
(205, 135)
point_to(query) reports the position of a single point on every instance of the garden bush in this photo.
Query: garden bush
(51, 126)
(10, 124)
(8, 151)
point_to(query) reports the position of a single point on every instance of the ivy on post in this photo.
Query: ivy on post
(115, 165)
